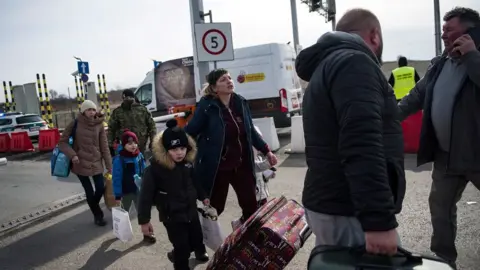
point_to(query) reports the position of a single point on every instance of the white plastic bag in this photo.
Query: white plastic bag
(122, 227)
(213, 237)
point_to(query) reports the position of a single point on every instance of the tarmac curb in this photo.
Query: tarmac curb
(34, 217)
(24, 155)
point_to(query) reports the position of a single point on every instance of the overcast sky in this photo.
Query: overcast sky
(119, 37)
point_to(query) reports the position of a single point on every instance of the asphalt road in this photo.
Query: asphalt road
(71, 241)
(26, 186)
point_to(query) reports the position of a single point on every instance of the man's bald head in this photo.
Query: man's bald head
(365, 24)
(358, 20)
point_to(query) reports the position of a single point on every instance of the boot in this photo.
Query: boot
(149, 239)
(100, 221)
(201, 256)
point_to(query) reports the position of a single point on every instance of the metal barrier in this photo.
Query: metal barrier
(167, 117)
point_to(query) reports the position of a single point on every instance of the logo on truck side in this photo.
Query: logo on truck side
(253, 77)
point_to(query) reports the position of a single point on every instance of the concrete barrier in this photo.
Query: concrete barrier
(297, 139)
(267, 127)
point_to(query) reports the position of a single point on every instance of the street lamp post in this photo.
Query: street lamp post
(438, 35)
(296, 39)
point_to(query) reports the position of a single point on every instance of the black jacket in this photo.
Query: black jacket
(169, 186)
(354, 142)
(464, 154)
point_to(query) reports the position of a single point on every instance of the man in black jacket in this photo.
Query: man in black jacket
(449, 95)
(355, 181)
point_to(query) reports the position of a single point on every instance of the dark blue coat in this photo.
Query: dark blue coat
(208, 128)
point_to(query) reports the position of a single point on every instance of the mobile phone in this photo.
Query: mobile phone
(474, 33)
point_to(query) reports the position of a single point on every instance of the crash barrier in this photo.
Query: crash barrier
(48, 139)
(297, 144)
(45, 107)
(269, 133)
(411, 132)
(4, 142)
(20, 142)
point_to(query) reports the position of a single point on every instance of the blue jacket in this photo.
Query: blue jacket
(208, 128)
(119, 163)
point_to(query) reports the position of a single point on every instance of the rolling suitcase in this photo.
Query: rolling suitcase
(341, 258)
(269, 239)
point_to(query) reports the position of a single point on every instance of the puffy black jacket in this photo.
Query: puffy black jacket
(169, 186)
(354, 142)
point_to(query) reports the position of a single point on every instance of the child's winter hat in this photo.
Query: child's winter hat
(128, 136)
(87, 104)
(174, 136)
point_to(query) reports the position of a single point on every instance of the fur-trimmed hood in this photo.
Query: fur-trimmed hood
(160, 154)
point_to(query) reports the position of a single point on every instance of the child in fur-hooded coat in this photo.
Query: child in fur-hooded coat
(168, 184)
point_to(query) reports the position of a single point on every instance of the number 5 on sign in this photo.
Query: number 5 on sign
(214, 42)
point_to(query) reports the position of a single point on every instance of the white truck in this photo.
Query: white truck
(264, 74)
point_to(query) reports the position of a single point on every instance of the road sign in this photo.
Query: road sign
(214, 42)
(83, 67)
(84, 78)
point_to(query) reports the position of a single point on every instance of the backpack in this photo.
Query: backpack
(60, 164)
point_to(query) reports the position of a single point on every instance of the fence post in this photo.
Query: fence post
(7, 103)
(49, 108)
(10, 85)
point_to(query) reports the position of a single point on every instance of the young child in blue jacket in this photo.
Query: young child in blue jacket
(128, 165)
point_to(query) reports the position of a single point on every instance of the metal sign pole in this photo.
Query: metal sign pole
(200, 68)
(296, 39)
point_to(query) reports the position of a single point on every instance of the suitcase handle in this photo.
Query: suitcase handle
(401, 252)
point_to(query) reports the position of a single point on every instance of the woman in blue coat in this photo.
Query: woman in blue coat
(223, 126)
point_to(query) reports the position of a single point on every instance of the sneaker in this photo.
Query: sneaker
(201, 256)
(150, 239)
(100, 222)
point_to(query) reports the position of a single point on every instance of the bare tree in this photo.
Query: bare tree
(53, 94)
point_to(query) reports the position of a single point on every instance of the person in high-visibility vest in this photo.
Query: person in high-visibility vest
(403, 78)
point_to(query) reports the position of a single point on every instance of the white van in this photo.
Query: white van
(264, 74)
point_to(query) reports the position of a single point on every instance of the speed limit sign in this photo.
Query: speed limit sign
(214, 42)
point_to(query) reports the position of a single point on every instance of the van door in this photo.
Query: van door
(144, 95)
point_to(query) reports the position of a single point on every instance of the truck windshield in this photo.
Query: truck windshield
(144, 94)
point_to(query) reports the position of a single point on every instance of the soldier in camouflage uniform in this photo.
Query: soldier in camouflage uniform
(134, 117)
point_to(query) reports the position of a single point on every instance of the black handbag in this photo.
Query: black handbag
(346, 258)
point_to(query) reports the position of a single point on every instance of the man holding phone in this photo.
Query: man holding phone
(449, 94)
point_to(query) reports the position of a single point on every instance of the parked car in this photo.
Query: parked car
(15, 122)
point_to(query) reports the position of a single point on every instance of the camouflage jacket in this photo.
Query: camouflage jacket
(136, 118)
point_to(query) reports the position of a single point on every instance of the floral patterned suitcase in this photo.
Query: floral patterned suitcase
(269, 239)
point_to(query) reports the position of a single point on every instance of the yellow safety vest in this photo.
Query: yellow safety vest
(404, 81)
